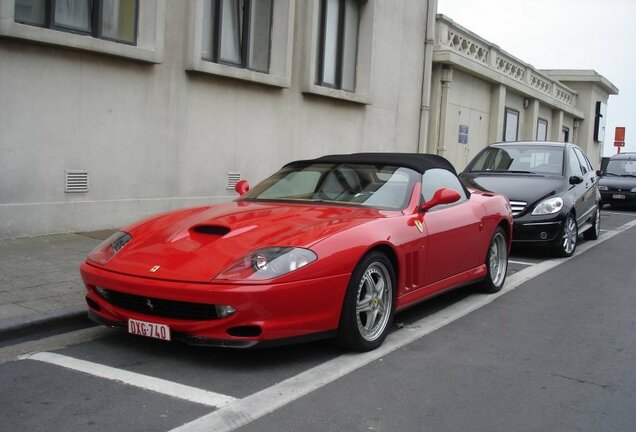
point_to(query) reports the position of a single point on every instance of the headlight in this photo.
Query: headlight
(548, 206)
(109, 247)
(268, 263)
(633, 190)
(602, 188)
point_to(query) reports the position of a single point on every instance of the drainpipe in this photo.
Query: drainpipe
(425, 105)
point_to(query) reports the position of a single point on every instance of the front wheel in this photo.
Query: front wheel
(569, 237)
(369, 304)
(496, 263)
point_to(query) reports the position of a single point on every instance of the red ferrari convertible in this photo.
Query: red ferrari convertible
(330, 247)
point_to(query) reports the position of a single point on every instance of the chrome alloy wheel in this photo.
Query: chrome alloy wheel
(374, 301)
(498, 259)
(570, 235)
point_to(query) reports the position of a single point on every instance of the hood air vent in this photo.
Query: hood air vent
(211, 229)
(76, 181)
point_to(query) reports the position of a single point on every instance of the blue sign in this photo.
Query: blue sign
(463, 134)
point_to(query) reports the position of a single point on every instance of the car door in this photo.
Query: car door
(578, 191)
(453, 232)
(590, 181)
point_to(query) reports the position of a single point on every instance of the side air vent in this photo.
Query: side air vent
(76, 181)
(232, 179)
(211, 229)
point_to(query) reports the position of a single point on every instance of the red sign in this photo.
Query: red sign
(619, 138)
(619, 134)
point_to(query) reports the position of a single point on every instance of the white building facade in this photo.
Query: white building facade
(112, 110)
(138, 106)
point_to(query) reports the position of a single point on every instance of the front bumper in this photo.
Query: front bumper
(618, 198)
(273, 313)
(538, 230)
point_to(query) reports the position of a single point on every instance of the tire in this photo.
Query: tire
(496, 263)
(595, 231)
(369, 304)
(568, 238)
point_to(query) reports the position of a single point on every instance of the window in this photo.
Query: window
(583, 161)
(565, 134)
(542, 130)
(511, 125)
(237, 33)
(574, 164)
(114, 20)
(339, 22)
(436, 179)
(520, 158)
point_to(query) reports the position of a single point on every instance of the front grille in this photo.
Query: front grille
(159, 307)
(518, 207)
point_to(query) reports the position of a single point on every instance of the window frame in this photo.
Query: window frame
(217, 18)
(542, 121)
(505, 128)
(340, 46)
(565, 134)
(95, 20)
(281, 47)
(151, 24)
(364, 62)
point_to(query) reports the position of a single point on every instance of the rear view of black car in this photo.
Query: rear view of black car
(618, 181)
(552, 188)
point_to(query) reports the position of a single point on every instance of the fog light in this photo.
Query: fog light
(543, 235)
(224, 311)
(102, 292)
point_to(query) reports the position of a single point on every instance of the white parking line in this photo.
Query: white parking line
(525, 263)
(250, 408)
(619, 213)
(169, 388)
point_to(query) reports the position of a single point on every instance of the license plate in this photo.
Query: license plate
(618, 196)
(148, 329)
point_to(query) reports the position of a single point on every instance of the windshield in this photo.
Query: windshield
(385, 187)
(623, 168)
(527, 159)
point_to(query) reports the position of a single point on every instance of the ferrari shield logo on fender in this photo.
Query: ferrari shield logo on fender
(154, 269)
(419, 226)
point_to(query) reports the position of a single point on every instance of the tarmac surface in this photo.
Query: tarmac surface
(40, 282)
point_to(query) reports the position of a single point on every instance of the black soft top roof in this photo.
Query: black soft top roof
(419, 162)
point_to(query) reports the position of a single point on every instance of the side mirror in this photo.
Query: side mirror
(599, 173)
(242, 187)
(442, 196)
(574, 180)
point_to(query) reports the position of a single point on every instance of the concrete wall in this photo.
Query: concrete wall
(155, 136)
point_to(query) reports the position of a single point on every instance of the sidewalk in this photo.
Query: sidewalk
(40, 281)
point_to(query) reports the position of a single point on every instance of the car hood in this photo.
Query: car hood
(528, 188)
(623, 183)
(197, 244)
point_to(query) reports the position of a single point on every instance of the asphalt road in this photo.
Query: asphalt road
(555, 351)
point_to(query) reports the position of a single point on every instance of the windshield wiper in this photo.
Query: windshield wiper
(628, 175)
(612, 174)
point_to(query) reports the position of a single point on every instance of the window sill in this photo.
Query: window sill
(338, 94)
(200, 65)
(9, 28)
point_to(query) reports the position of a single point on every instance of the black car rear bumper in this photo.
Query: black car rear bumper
(618, 198)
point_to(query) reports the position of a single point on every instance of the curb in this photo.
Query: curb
(13, 328)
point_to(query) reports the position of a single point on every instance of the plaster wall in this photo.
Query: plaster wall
(155, 136)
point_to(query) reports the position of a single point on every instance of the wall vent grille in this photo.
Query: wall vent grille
(76, 181)
(232, 179)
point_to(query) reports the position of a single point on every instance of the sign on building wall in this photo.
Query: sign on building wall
(463, 134)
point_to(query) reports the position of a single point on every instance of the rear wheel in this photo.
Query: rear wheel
(569, 237)
(595, 231)
(496, 262)
(368, 306)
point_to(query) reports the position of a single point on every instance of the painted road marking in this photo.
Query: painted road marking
(146, 382)
(257, 405)
(525, 263)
